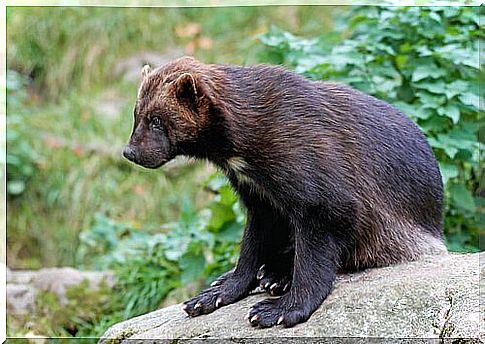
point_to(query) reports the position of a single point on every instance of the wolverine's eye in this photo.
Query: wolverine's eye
(156, 122)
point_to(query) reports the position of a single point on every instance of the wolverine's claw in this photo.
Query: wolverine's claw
(260, 273)
(218, 302)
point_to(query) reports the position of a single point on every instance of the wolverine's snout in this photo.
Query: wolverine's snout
(129, 153)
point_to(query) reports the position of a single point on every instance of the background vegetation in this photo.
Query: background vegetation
(73, 201)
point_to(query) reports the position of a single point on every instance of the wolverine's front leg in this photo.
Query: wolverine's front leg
(233, 286)
(316, 259)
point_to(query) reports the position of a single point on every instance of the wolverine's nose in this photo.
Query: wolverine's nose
(129, 153)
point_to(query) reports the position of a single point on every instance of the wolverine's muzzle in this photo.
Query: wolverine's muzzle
(129, 153)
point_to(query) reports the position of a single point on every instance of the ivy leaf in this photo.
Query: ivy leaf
(220, 214)
(450, 111)
(430, 100)
(470, 99)
(448, 171)
(437, 87)
(456, 87)
(435, 16)
(231, 233)
(459, 55)
(401, 60)
(450, 151)
(424, 51)
(435, 124)
(428, 70)
(462, 197)
(192, 266)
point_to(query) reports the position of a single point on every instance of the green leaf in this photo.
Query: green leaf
(435, 124)
(437, 87)
(435, 16)
(15, 187)
(401, 60)
(456, 87)
(470, 99)
(450, 111)
(192, 266)
(428, 70)
(448, 171)
(405, 48)
(424, 51)
(430, 100)
(458, 54)
(231, 233)
(462, 197)
(220, 215)
(450, 150)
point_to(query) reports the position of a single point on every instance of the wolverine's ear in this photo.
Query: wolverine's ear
(186, 89)
(144, 75)
(145, 71)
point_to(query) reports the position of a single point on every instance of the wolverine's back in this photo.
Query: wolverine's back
(328, 137)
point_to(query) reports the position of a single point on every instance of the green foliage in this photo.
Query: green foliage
(200, 246)
(21, 157)
(424, 60)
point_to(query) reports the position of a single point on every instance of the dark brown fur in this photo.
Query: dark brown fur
(331, 178)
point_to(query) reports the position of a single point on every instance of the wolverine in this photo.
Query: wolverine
(332, 179)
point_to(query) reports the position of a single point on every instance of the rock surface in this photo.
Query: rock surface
(437, 297)
(23, 286)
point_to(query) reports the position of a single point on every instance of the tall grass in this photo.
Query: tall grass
(66, 47)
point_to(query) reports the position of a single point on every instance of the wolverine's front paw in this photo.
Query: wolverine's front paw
(274, 282)
(205, 302)
(277, 311)
(225, 290)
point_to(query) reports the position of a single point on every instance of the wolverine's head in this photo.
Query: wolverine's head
(171, 109)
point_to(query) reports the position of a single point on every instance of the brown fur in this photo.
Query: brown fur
(332, 178)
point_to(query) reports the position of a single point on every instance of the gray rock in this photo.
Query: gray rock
(20, 276)
(23, 286)
(58, 280)
(423, 301)
(20, 299)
